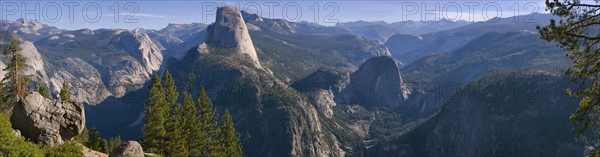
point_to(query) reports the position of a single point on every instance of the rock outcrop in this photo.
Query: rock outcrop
(49, 121)
(142, 48)
(128, 149)
(230, 31)
(85, 81)
(322, 86)
(376, 82)
(35, 64)
(2, 72)
(127, 61)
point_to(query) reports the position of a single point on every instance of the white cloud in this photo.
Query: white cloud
(147, 15)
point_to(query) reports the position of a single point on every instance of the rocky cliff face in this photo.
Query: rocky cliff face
(322, 86)
(85, 81)
(2, 72)
(376, 82)
(230, 31)
(142, 48)
(35, 64)
(48, 121)
(127, 61)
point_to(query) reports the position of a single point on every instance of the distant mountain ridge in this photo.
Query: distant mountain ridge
(382, 31)
(448, 40)
(29, 30)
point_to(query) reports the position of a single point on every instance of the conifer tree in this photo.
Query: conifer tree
(188, 129)
(190, 120)
(114, 143)
(43, 90)
(154, 123)
(176, 144)
(230, 139)
(103, 146)
(95, 141)
(83, 137)
(175, 140)
(15, 81)
(209, 126)
(64, 94)
(170, 88)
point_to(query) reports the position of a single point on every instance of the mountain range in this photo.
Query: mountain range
(382, 31)
(302, 89)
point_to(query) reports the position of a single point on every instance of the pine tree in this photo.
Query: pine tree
(190, 120)
(170, 88)
(15, 81)
(95, 141)
(209, 145)
(575, 30)
(114, 143)
(83, 137)
(64, 94)
(176, 144)
(43, 90)
(103, 146)
(188, 129)
(154, 123)
(230, 139)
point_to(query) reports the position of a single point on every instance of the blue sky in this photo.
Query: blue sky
(156, 14)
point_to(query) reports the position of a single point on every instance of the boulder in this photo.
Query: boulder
(43, 120)
(128, 149)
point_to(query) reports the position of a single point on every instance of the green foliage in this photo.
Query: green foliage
(12, 145)
(96, 142)
(577, 32)
(64, 94)
(171, 94)
(156, 117)
(43, 90)
(103, 146)
(191, 131)
(69, 149)
(208, 126)
(114, 143)
(3, 101)
(83, 137)
(175, 138)
(15, 81)
(230, 138)
(190, 128)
